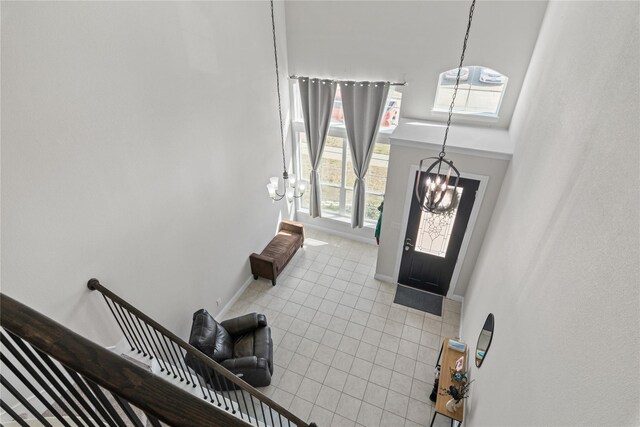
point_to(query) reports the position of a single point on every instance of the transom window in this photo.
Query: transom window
(336, 168)
(479, 93)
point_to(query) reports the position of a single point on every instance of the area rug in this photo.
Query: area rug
(420, 300)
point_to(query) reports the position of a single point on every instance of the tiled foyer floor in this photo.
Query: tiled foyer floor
(345, 354)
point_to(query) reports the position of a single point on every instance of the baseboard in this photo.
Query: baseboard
(457, 298)
(461, 318)
(384, 278)
(233, 299)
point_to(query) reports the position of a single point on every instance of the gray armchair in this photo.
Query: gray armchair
(243, 345)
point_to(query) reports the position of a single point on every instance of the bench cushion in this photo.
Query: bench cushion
(282, 247)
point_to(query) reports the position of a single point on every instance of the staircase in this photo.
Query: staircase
(52, 376)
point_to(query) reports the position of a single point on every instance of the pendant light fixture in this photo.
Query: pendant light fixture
(291, 187)
(438, 193)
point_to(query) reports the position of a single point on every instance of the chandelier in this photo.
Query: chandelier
(291, 187)
(438, 193)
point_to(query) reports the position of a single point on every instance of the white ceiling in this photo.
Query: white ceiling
(413, 41)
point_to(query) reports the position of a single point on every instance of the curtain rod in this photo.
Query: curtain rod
(340, 81)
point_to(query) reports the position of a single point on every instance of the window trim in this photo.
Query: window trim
(338, 131)
(472, 116)
(467, 116)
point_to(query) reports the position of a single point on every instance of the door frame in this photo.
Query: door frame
(484, 180)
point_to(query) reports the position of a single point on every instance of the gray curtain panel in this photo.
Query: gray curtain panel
(317, 102)
(363, 104)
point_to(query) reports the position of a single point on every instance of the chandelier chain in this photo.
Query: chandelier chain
(455, 88)
(275, 54)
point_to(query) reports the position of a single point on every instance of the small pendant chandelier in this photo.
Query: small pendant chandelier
(291, 188)
(438, 193)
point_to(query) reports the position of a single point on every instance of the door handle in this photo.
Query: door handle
(407, 245)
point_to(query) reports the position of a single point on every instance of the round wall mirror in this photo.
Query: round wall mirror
(484, 340)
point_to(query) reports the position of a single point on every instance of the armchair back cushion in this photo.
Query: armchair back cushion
(244, 324)
(210, 337)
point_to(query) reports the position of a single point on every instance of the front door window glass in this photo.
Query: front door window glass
(435, 230)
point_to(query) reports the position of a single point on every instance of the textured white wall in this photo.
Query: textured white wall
(559, 265)
(413, 41)
(137, 140)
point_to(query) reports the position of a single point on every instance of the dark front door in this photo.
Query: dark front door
(432, 242)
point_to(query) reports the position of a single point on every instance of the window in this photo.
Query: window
(479, 93)
(336, 168)
(435, 231)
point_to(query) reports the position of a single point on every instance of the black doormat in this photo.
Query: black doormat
(420, 300)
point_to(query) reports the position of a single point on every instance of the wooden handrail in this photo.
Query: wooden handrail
(143, 389)
(95, 285)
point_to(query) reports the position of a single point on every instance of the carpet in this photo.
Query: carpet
(420, 300)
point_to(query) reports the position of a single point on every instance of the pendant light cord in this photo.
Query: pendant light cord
(455, 88)
(275, 54)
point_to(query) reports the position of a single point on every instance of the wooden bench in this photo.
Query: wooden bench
(275, 257)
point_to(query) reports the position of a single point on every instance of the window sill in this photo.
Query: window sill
(477, 117)
(340, 128)
(339, 218)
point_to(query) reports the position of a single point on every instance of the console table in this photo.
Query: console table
(447, 359)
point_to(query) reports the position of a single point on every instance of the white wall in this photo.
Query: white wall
(412, 41)
(559, 265)
(137, 140)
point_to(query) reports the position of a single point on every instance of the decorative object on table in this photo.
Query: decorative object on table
(275, 257)
(457, 375)
(379, 223)
(459, 388)
(457, 346)
(434, 190)
(484, 340)
(452, 405)
(458, 393)
(460, 364)
(243, 345)
(291, 187)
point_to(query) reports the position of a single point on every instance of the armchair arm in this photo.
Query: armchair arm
(293, 227)
(262, 266)
(243, 324)
(254, 370)
(241, 363)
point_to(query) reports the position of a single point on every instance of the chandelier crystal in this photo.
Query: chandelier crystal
(436, 186)
(291, 187)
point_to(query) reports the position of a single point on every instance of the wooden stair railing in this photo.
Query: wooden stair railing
(151, 340)
(77, 382)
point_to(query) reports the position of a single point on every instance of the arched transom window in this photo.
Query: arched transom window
(479, 93)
